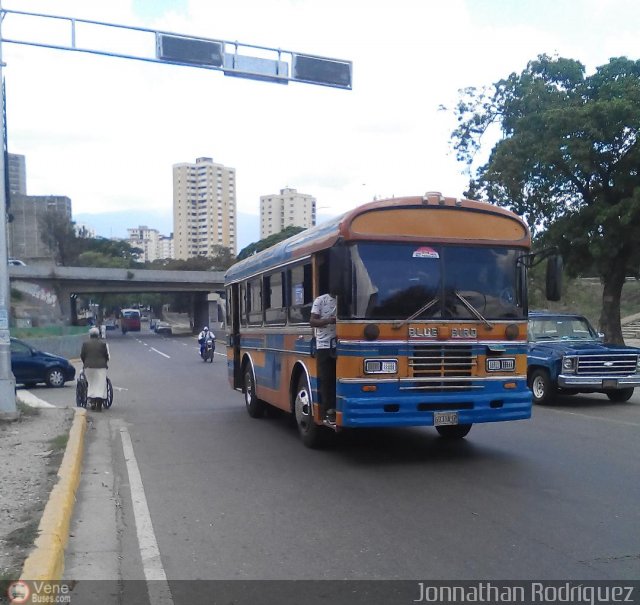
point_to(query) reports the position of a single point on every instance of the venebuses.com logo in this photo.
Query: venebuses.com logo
(19, 592)
(38, 592)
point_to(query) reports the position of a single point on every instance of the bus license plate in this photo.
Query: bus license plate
(444, 418)
(609, 384)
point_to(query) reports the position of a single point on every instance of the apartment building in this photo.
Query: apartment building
(288, 208)
(25, 230)
(17, 171)
(165, 246)
(154, 246)
(204, 208)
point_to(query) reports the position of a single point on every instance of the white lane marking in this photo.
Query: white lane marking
(611, 420)
(157, 585)
(32, 401)
(161, 353)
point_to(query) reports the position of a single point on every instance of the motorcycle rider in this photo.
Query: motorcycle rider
(202, 338)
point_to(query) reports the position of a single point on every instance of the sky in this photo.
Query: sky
(106, 131)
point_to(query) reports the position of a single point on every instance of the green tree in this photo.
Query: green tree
(221, 260)
(267, 242)
(568, 160)
(58, 234)
(121, 251)
(91, 258)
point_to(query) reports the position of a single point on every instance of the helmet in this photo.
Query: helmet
(205, 329)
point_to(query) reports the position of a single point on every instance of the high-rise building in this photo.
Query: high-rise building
(153, 245)
(165, 246)
(25, 230)
(17, 171)
(84, 231)
(204, 208)
(289, 208)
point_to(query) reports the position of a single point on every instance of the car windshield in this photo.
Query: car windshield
(422, 281)
(560, 328)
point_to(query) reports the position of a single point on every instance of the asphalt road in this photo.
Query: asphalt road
(231, 497)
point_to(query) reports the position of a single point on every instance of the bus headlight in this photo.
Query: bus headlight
(380, 366)
(501, 364)
(569, 364)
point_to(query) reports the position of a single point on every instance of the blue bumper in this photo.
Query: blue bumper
(390, 407)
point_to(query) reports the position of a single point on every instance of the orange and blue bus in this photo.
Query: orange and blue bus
(431, 318)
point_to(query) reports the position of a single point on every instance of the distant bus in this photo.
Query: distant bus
(130, 320)
(431, 322)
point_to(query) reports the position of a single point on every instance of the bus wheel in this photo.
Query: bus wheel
(454, 431)
(255, 406)
(311, 434)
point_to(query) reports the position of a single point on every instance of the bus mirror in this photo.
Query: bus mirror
(554, 278)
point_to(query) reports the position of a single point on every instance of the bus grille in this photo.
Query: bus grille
(429, 363)
(605, 365)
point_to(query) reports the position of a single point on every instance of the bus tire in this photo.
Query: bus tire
(312, 435)
(454, 431)
(255, 406)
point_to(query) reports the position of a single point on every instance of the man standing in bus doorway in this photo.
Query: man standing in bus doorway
(323, 319)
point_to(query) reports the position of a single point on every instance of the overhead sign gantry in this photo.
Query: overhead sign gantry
(231, 57)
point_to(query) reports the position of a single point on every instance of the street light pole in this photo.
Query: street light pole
(7, 380)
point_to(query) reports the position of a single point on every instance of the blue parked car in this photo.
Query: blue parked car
(566, 356)
(31, 366)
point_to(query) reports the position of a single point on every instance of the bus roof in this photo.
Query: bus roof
(399, 219)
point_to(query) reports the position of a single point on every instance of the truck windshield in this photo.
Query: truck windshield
(560, 328)
(394, 281)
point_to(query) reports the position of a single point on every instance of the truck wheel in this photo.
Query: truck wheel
(541, 387)
(620, 396)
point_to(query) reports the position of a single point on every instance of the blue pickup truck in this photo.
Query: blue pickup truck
(566, 356)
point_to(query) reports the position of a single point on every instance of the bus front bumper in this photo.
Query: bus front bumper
(383, 410)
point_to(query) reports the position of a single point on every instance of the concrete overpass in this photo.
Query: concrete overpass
(53, 284)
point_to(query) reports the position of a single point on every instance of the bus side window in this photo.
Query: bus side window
(274, 306)
(254, 300)
(227, 307)
(243, 304)
(300, 293)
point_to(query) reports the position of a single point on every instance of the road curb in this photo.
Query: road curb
(46, 561)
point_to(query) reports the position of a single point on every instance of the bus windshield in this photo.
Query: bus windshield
(398, 281)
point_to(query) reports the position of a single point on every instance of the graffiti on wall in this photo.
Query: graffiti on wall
(44, 295)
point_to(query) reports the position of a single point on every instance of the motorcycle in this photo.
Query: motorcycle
(208, 348)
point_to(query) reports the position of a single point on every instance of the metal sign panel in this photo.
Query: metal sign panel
(317, 70)
(192, 51)
(256, 68)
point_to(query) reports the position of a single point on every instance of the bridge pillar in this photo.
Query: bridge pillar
(68, 306)
(200, 311)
